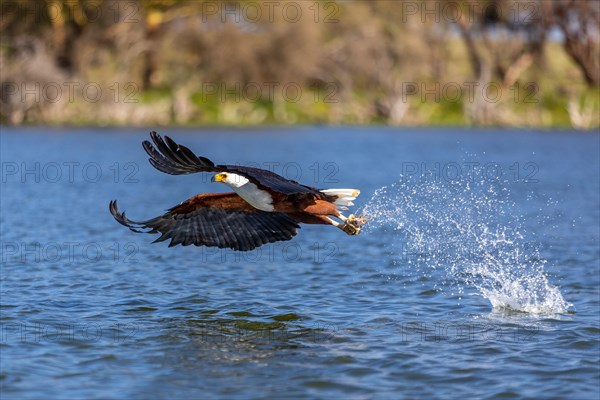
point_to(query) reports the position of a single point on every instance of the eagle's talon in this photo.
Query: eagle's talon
(353, 224)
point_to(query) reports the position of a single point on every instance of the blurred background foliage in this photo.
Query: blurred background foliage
(148, 62)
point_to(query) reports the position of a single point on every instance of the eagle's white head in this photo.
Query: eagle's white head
(230, 179)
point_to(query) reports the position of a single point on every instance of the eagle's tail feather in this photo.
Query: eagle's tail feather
(343, 197)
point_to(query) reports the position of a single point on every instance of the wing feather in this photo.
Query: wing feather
(172, 158)
(222, 220)
(175, 159)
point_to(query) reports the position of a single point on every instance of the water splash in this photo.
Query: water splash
(466, 233)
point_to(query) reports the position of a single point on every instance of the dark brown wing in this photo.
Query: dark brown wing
(222, 220)
(175, 159)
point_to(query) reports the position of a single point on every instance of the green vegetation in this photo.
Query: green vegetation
(159, 62)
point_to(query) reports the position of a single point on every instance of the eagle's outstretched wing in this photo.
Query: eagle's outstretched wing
(172, 158)
(222, 220)
(175, 159)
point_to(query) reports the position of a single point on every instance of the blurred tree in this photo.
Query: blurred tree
(503, 37)
(368, 52)
(579, 22)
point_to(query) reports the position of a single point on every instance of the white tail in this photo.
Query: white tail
(344, 197)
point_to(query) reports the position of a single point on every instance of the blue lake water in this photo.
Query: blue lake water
(478, 275)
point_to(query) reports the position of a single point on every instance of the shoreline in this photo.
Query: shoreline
(274, 126)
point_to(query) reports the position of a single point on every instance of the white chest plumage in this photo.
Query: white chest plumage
(257, 198)
(248, 191)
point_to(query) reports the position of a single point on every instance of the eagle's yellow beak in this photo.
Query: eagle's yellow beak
(219, 177)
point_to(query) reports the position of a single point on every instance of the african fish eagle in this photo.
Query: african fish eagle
(263, 208)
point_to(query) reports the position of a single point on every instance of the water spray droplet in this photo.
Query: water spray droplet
(466, 230)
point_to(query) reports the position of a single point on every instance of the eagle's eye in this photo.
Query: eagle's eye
(220, 177)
